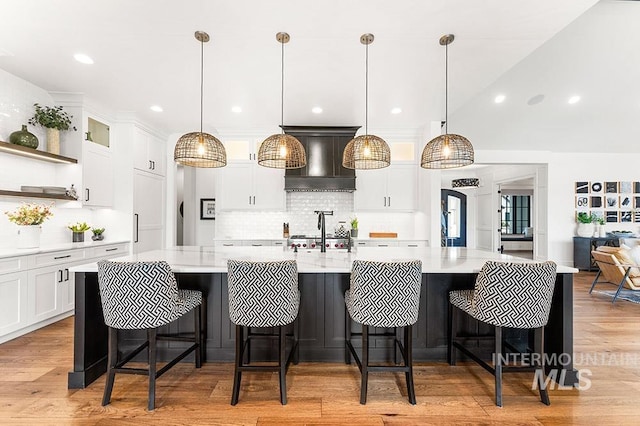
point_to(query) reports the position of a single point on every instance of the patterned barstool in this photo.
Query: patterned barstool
(263, 295)
(385, 295)
(514, 295)
(144, 296)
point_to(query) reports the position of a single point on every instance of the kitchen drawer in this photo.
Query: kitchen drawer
(13, 264)
(58, 257)
(417, 243)
(111, 250)
(228, 243)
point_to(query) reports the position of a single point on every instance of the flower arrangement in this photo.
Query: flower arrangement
(51, 118)
(354, 223)
(79, 227)
(30, 214)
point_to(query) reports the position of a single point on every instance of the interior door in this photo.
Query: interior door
(453, 218)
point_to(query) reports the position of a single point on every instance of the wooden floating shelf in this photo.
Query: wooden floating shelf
(23, 151)
(4, 193)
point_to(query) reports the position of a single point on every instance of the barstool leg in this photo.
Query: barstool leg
(198, 336)
(203, 329)
(282, 363)
(365, 364)
(498, 366)
(544, 393)
(347, 336)
(237, 374)
(451, 350)
(112, 361)
(408, 356)
(151, 334)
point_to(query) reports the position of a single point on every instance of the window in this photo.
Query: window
(516, 213)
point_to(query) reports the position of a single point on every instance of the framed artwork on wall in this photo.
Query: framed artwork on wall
(207, 208)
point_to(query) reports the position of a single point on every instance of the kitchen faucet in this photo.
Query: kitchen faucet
(321, 226)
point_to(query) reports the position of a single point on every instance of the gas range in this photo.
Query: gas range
(313, 242)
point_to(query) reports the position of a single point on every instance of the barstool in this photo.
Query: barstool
(144, 296)
(514, 295)
(385, 295)
(263, 295)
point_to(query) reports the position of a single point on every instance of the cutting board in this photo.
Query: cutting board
(383, 235)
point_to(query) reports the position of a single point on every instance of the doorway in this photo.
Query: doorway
(453, 218)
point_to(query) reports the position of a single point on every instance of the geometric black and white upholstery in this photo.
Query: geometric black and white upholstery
(383, 295)
(263, 295)
(511, 295)
(144, 296)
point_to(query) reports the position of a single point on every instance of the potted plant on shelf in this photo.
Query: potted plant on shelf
(354, 227)
(78, 230)
(29, 217)
(585, 225)
(97, 234)
(53, 119)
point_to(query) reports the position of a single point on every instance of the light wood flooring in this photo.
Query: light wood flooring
(33, 386)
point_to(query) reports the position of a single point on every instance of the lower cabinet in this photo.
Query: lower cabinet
(13, 302)
(45, 293)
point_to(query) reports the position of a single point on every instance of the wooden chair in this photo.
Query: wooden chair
(613, 271)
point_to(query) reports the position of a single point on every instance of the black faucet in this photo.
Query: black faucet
(321, 226)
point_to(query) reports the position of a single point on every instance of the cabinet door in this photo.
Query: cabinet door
(235, 187)
(156, 152)
(44, 293)
(97, 177)
(402, 188)
(371, 190)
(13, 302)
(148, 208)
(141, 159)
(268, 188)
(68, 289)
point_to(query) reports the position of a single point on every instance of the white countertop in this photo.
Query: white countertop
(13, 252)
(193, 259)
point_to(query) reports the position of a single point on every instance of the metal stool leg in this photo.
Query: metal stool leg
(237, 375)
(365, 364)
(198, 335)
(498, 366)
(112, 361)
(347, 336)
(151, 333)
(544, 393)
(282, 363)
(408, 356)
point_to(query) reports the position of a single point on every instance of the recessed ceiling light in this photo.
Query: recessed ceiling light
(82, 58)
(156, 108)
(236, 109)
(574, 99)
(316, 110)
(396, 110)
(499, 99)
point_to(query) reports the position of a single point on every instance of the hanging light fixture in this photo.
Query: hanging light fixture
(282, 151)
(449, 150)
(366, 151)
(199, 149)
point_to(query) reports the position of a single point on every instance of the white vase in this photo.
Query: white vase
(602, 232)
(29, 236)
(585, 230)
(53, 141)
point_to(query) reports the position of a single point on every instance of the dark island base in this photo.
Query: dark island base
(322, 324)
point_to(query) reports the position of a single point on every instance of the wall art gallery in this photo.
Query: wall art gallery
(615, 202)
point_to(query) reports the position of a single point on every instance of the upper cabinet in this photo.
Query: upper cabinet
(148, 153)
(393, 188)
(248, 186)
(242, 150)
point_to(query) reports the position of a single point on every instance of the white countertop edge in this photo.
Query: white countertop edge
(15, 252)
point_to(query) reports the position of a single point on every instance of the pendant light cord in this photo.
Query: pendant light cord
(282, 87)
(201, 82)
(366, 91)
(446, 88)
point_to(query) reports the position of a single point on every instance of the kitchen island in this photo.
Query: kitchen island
(323, 278)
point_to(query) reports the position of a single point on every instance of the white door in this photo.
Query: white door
(148, 209)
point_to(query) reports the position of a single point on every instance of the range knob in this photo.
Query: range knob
(293, 245)
(341, 245)
(304, 245)
(327, 245)
(298, 244)
(336, 245)
(313, 245)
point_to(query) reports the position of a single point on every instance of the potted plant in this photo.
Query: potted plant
(585, 224)
(97, 234)
(354, 227)
(78, 230)
(602, 232)
(53, 119)
(29, 217)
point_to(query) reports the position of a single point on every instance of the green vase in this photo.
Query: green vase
(24, 138)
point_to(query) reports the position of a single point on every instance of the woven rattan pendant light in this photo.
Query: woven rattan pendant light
(366, 151)
(199, 149)
(449, 150)
(282, 151)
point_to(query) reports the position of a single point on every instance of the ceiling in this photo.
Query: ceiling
(145, 53)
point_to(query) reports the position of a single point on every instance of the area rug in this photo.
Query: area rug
(630, 295)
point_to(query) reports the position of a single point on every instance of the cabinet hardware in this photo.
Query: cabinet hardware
(383, 245)
(150, 168)
(153, 165)
(137, 217)
(87, 194)
(389, 201)
(61, 257)
(256, 245)
(254, 200)
(59, 275)
(277, 243)
(412, 245)
(227, 245)
(249, 199)
(66, 274)
(112, 249)
(385, 201)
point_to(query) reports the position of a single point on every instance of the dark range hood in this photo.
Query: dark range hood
(324, 147)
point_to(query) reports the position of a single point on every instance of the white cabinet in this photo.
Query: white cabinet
(148, 153)
(248, 186)
(393, 188)
(241, 150)
(97, 176)
(148, 211)
(45, 292)
(13, 302)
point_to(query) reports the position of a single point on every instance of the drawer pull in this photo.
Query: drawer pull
(112, 249)
(61, 257)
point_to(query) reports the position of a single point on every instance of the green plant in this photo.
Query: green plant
(51, 118)
(583, 217)
(97, 231)
(600, 220)
(354, 223)
(79, 227)
(30, 214)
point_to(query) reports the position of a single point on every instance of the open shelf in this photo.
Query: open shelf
(4, 193)
(23, 151)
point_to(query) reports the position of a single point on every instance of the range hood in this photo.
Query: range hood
(324, 147)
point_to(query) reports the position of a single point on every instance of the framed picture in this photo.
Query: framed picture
(207, 208)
